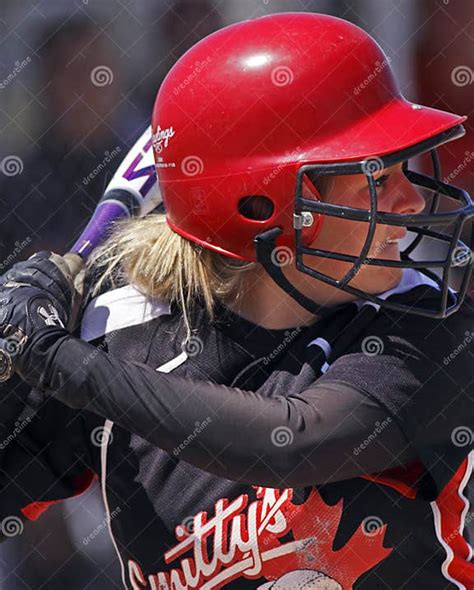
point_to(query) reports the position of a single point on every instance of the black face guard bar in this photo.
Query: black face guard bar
(458, 254)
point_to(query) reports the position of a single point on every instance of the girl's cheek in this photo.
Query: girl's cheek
(360, 201)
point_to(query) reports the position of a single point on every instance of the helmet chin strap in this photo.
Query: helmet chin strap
(265, 244)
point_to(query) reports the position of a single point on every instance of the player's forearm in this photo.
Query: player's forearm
(13, 401)
(239, 435)
(42, 460)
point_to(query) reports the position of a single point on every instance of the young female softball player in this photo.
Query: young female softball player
(273, 382)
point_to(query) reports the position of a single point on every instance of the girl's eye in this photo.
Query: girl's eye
(381, 181)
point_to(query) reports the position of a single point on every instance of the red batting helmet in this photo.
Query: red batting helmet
(251, 112)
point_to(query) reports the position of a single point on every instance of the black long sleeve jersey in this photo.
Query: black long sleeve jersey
(334, 456)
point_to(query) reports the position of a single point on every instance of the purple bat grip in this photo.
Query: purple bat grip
(107, 212)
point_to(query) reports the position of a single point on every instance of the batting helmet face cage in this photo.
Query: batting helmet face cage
(250, 117)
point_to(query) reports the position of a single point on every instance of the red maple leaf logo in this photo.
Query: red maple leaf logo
(314, 525)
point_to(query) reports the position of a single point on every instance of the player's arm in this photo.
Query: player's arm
(45, 455)
(48, 457)
(319, 435)
(167, 409)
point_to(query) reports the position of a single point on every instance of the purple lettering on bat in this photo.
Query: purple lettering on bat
(133, 171)
(110, 209)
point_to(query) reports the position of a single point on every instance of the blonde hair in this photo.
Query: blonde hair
(162, 264)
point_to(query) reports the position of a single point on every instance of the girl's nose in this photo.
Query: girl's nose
(407, 199)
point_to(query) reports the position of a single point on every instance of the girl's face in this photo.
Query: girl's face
(395, 195)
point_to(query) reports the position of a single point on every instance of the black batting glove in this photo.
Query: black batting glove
(34, 294)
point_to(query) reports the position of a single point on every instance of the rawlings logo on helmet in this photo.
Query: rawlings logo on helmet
(161, 138)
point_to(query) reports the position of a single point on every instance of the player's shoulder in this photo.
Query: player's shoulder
(117, 306)
(418, 292)
(439, 339)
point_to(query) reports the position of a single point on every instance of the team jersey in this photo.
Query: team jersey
(175, 525)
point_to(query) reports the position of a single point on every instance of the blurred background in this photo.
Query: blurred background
(77, 84)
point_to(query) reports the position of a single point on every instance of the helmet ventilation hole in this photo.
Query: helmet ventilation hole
(256, 207)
